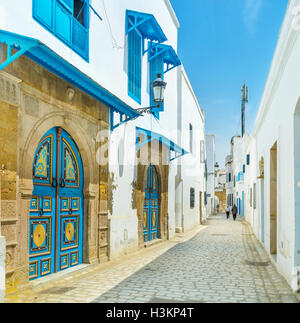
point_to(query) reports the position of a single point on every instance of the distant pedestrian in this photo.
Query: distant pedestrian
(228, 212)
(234, 212)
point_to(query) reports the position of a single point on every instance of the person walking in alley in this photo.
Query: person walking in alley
(234, 212)
(228, 212)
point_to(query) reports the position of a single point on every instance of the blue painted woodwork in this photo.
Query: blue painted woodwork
(146, 24)
(139, 26)
(95, 12)
(166, 52)
(63, 21)
(55, 235)
(44, 56)
(151, 205)
(151, 136)
(121, 120)
(135, 65)
(240, 177)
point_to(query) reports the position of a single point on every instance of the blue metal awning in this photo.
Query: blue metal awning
(43, 55)
(149, 136)
(146, 24)
(168, 53)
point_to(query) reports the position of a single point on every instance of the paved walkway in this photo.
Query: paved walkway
(222, 262)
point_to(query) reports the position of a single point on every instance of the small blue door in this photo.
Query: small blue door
(56, 208)
(151, 206)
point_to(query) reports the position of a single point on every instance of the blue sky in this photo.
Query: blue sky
(222, 44)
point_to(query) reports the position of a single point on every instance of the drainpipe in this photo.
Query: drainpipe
(2, 249)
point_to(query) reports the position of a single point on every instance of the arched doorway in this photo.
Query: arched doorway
(151, 205)
(56, 208)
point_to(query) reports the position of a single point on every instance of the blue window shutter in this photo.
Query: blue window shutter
(80, 38)
(244, 169)
(43, 11)
(58, 17)
(63, 23)
(156, 67)
(68, 4)
(134, 65)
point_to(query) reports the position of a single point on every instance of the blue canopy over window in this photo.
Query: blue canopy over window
(167, 53)
(146, 24)
(43, 55)
(149, 136)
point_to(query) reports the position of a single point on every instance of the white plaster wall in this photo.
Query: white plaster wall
(108, 67)
(107, 40)
(210, 157)
(2, 269)
(122, 160)
(172, 199)
(251, 175)
(122, 144)
(192, 168)
(275, 123)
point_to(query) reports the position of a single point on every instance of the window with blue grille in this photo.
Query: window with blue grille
(156, 67)
(248, 159)
(68, 20)
(134, 65)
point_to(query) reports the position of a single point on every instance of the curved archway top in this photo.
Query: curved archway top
(84, 144)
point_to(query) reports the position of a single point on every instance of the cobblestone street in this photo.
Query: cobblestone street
(222, 262)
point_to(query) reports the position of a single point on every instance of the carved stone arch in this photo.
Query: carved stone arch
(73, 127)
(162, 177)
(87, 148)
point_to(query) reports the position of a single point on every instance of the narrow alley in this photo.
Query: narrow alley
(221, 262)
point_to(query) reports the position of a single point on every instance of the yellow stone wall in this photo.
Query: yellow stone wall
(32, 101)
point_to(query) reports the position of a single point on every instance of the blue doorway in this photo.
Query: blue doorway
(56, 208)
(151, 206)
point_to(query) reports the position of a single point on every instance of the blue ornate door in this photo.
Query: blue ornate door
(56, 208)
(151, 206)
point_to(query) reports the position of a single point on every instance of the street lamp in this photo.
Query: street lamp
(158, 88)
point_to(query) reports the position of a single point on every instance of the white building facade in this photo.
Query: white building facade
(210, 164)
(272, 174)
(78, 78)
(190, 186)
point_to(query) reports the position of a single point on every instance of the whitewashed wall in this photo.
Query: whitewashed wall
(211, 160)
(108, 67)
(251, 201)
(192, 168)
(124, 221)
(276, 123)
(107, 64)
